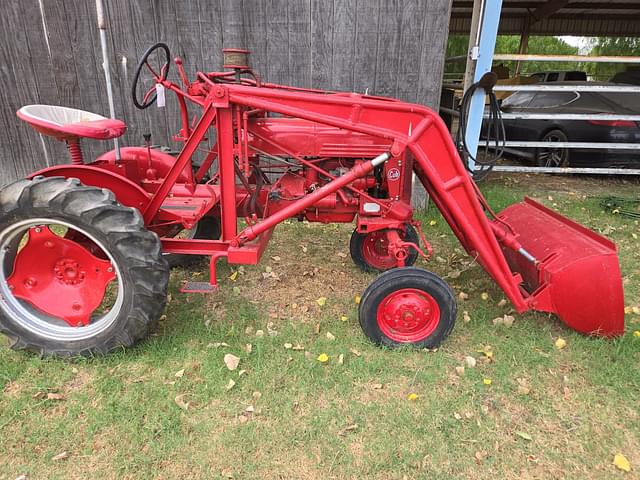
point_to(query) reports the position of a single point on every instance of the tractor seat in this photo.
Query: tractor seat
(66, 123)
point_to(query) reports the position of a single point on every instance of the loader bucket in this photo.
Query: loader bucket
(576, 274)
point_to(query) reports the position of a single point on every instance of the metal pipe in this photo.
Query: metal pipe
(102, 27)
(553, 145)
(563, 170)
(360, 170)
(549, 87)
(566, 58)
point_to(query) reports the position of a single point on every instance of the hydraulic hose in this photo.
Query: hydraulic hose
(495, 134)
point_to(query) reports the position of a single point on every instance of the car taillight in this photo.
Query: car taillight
(613, 123)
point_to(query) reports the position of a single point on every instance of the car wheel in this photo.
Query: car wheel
(553, 157)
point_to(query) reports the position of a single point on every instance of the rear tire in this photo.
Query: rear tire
(135, 255)
(369, 252)
(408, 306)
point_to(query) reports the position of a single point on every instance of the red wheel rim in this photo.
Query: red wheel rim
(375, 251)
(60, 277)
(408, 315)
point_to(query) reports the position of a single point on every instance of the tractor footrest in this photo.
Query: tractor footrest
(198, 287)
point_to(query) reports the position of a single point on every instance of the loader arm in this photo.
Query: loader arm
(572, 272)
(436, 164)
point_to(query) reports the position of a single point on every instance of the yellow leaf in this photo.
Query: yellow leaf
(412, 397)
(323, 358)
(560, 343)
(487, 381)
(357, 299)
(344, 318)
(628, 310)
(636, 333)
(635, 310)
(432, 222)
(233, 276)
(484, 296)
(621, 462)
(321, 301)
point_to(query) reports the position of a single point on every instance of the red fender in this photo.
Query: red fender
(136, 162)
(126, 191)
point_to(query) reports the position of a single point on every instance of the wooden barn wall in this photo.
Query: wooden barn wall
(50, 54)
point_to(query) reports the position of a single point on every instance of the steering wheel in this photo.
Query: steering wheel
(160, 76)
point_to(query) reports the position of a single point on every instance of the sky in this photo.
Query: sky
(581, 42)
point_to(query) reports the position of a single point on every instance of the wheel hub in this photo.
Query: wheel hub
(408, 315)
(60, 277)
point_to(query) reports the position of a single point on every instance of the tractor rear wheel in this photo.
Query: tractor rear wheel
(79, 273)
(370, 252)
(408, 306)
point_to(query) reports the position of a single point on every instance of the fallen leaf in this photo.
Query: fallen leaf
(463, 296)
(412, 397)
(355, 352)
(55, 396)
(61, 456)
(502, 303)
(21, 477)
(250, 409)
(233, 276)
(560, 343)
(636, 333)
(484, 296)
(275, 258)
(180, 401)
(248, 348)
(524, 436)
(357, 299)
(508, 320)
(341, 359)
(316, 328)
(298, 347)
(621, 462)
(465, 317)
(487, 381)
(344, 318)
(342, 255)
(457, 416)
(323, 358)
(470, 361)
(217, 345)
(256, 395)
(179, 373)
(330, 336)
(38, 395)
(231, 361)
(460, 371)
(259, 333)
(321, 301)
(432, 223)
(377, 386)
(288, 345)
(230, 384)
(635, 310)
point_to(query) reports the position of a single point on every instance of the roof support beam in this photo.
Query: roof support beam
(548, 9)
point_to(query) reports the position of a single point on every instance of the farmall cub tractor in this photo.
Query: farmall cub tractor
(83, 246)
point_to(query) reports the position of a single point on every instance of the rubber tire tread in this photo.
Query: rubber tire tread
(136, 250)
(400, 278)
(357, 241)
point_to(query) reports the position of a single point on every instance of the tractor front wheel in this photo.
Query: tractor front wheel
(408, 306)
(370, 251)
(79, 273)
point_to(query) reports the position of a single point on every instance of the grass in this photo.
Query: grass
(547, 413)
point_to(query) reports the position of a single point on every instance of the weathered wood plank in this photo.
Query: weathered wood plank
(233, 35)
(410, 48)
(211, 35)
(277, 51)
(255, 30)
(344, 37)
(321, 44)
(366, 46)
(389, 21)
(299, 13)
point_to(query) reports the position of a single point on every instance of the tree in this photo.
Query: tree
(611, 46)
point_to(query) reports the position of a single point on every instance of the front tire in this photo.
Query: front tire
(408, 306)
(553, 157)
(79, 273)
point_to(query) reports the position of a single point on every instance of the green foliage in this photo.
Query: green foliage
(458, 45)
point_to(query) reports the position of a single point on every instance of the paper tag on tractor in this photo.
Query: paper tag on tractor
(160, 95)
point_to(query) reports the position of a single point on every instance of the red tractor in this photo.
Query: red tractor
(83, 245)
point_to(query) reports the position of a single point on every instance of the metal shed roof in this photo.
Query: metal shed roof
(614, 18)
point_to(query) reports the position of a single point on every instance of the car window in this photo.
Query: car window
(575, 76)
(553, 77)
(518, 99)
(538, 76)
(552, 99)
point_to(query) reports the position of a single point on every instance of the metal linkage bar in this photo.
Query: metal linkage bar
(586, 145)
(549, 87)
(570, 116)
(562, 170)
(563, 58)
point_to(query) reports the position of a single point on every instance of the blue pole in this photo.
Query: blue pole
(488, 33)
